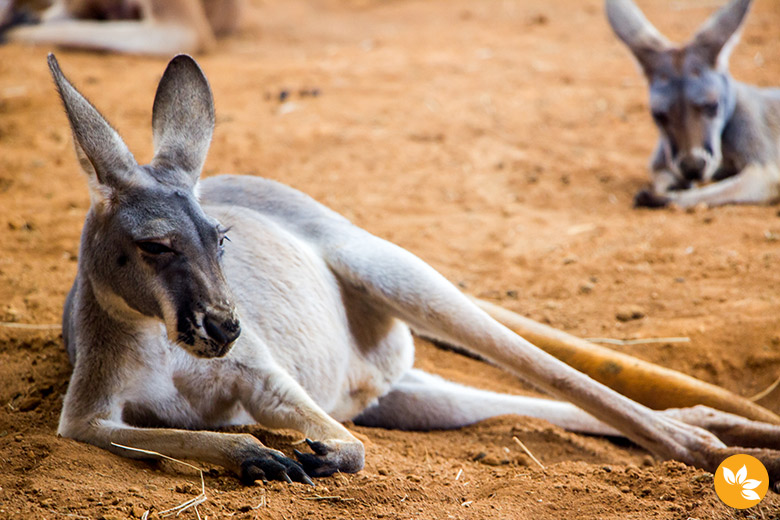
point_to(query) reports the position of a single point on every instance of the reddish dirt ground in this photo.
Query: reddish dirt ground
(502, 142)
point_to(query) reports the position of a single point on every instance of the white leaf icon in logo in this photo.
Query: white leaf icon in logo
(729, 476)
(747, 485)
(742, 474)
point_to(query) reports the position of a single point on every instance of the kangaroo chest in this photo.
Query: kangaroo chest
(342, 350)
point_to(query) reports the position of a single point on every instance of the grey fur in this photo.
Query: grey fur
(719, 138)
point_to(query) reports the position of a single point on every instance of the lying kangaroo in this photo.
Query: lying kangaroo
(719, 139)
(299, 321)
(161, 27)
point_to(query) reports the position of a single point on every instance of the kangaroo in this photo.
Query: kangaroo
(298, 320)
(719, 138)
(157, 27)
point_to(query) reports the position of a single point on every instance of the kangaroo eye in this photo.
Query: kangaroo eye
(222, 239)
(709, 109)
(660, 117)
(222, 233)
(153, 248)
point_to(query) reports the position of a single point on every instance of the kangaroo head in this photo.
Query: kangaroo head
(148, 249)
(691, 91)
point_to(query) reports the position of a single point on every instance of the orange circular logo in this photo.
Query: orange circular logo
(741, 481)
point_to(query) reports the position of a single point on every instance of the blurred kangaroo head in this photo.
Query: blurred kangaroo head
(691, 91)
(148, 249)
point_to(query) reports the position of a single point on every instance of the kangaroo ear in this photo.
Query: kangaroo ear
(182, 119)
(103, 155)
(631, 26)
(718, 36)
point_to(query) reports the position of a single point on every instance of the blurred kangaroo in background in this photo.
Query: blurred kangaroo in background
(719, 138)
(161, 27)
(300, 321)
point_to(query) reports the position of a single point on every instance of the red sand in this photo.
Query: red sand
(501, 141)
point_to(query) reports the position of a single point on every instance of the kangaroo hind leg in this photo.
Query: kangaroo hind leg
(414, 292)
(422, 401)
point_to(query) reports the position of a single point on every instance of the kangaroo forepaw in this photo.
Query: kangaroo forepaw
(332, 456)
(316, 465)
(273, 466)
(317, 447)
(646, 198)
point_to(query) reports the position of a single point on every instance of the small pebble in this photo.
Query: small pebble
(491, 460)
(29, 403)
(629, 314)
(184, 488)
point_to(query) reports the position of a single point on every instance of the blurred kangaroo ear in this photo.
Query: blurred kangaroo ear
(182, 119)
(631, 26)
(718, 36)
(103, 155)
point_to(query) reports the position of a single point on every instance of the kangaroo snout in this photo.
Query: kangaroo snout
(222, 331)
(208, 331)
(692, 167)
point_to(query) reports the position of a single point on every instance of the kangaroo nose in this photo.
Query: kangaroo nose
(692, 167)
(224, 332)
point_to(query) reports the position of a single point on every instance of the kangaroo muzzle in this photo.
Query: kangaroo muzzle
(208, 332)
(222, 332)
(692, 167)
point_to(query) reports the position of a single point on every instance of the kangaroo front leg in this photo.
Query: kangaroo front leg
(240, 453)
(276, 400)
(655, 196)
(755, 184)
